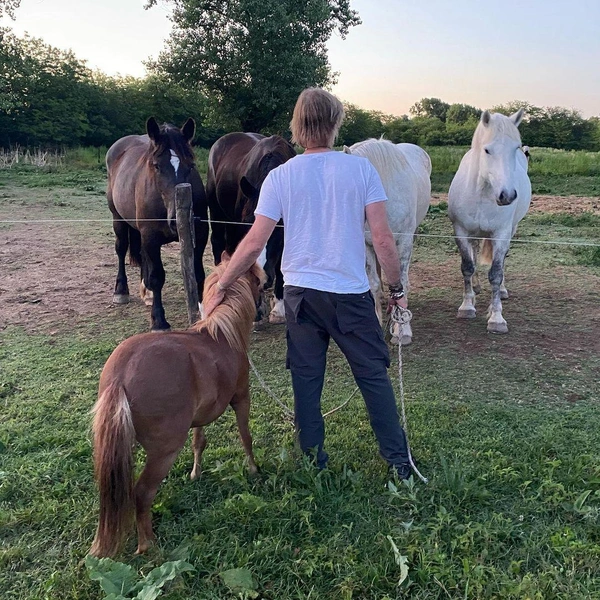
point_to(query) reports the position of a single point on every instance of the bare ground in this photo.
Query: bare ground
(58, 277)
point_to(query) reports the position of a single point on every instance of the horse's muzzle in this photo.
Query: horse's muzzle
(505, 198)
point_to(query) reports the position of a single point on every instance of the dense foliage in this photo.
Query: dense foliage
(252, 58)
(49, 98)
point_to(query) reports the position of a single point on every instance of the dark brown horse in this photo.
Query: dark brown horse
(153, 389)
(143, 171)
(238, 164)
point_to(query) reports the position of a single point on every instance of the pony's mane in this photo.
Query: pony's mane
(384, 155)
(233, 317)
(172, 138)
(499, 126)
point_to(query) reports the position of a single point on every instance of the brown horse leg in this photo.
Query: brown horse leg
(154, 279)
(201, 234)
(198, 445)
(241, 406)
(121, 229)
(157, 467)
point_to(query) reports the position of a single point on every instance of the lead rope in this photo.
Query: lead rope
(398, 317)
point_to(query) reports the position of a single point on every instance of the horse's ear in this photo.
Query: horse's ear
(189, 129)
(486, 117)
(517, 117)
(153, 130)
(247, 188)
(347, 150)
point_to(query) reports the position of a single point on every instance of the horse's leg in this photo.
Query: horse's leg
(476, 282)
(274, 254)
(503, 291)
(404, 244)
(158, 464)
(374, 280)
(201, 231)
(467, 309)
(121, 229)
(496, 322)
(241, 406)
(217, 225)
(154, 279)
(198, 445)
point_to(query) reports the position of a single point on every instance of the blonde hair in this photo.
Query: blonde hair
(317, 118)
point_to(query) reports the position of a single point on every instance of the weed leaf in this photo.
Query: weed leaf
(240, 581)
(401, 560)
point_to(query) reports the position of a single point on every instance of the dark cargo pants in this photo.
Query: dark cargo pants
(313, 317)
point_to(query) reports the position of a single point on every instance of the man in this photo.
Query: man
(324, 197)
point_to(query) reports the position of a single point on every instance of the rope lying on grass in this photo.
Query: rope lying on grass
(421, 235)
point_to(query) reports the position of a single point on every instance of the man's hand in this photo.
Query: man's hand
(218, 297)
(402, 302)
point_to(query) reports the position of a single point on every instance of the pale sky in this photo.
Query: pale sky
(483, 53)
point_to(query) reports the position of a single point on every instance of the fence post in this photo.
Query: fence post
(185, 228)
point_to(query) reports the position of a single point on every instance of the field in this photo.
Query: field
(505, 427)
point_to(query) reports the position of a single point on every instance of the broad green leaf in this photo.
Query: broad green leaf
(401, 560)
(114, 577)
(240, 581)
(581, 500)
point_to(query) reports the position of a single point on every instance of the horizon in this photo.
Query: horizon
(386, 64)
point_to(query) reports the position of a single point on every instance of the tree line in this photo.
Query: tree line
(49, 98)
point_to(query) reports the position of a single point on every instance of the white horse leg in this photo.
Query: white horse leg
(467, 309)
(374, 280)
(277, 314)
(475, 279)
(146, 295)
(496, 322)
(503, 291)
(404, 244)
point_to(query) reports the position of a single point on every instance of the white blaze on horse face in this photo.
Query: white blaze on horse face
(175, 161)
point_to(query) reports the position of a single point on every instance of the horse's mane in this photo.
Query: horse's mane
(275, 151)
(172, 138)
(234, 316)
(384, 155)
(499, 126)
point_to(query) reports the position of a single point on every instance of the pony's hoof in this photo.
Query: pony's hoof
(504, 295)
(497, 327)
(406, 340)
(195, 474)
(469, 313)
(166, 330)
(121, 299)
(143, 548)
(276, 319)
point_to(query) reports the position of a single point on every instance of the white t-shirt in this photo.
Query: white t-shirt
(321, 198)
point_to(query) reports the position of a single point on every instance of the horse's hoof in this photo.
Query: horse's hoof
(477, 289)
(469, 313)
(166, 330)
(121, 299)
(406, 340)
(503, 294)
(148, 301)
(276, 319)
(497, 327)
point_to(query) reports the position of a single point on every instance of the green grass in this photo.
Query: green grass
(556, 172)
(506, 428)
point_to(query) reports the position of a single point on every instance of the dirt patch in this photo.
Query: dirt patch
(550, 204)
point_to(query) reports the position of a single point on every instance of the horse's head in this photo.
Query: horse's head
(498, 144)
(171, 161)
(266, 155)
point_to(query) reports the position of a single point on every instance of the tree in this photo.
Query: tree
(430, 108)
(8, 8)
(461, 113)
(252, 58)
(360, 125)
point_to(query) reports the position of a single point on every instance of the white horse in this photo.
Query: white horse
(488, 196)
(405, 171)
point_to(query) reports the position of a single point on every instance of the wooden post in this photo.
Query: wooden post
(185, 228)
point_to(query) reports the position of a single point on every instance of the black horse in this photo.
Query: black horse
(238, 164)
(143, 171)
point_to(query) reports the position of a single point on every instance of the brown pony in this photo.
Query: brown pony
(238, 164)
(143, 171)
(153, 389)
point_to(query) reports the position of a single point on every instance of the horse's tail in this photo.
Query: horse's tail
(135, 247)
(114, 437)
(486, 254)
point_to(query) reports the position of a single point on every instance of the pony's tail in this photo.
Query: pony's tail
(486, 254)
(114, 437)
